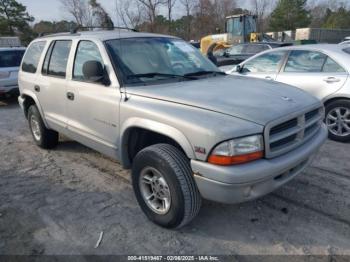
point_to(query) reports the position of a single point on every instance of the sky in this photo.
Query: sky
(51, 10)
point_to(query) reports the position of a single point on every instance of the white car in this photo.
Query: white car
(322, 70)
(10, 59)
(346, 42)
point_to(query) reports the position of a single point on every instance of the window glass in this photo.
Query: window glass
(59, 58)
(11, 58)
(331, 66)
(266, 63)
(235, 50)
(254, 49)
(87, 51)
(32, 57)
(167, 57)
(305, 61)
(47, 59)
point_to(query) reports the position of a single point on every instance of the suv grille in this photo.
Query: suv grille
(283, 136)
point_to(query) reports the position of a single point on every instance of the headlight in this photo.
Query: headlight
(238, 151)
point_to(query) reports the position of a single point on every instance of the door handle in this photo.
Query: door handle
(331, 79)
(37, 88)
(268, 77)
(70, 96)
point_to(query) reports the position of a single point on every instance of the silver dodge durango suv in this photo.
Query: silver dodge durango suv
(187, 130)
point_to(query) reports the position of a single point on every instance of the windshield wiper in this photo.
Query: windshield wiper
(200, 73)
(155, 74)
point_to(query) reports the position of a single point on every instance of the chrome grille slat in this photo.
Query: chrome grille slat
(286, 134)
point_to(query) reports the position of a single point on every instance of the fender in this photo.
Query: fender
(32, 95)
(156, 127)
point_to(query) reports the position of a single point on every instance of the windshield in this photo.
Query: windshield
(157, 59)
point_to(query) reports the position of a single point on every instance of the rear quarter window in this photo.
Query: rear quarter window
(32, 57)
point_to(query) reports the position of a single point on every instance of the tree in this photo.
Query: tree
(47, 27)
(261, 8)
(102, 18)
(187, 20)
(338, 19)
(170, 5)
(14, 17)
(129, 12)
(80, 10)
(289, 15)
(151, 9)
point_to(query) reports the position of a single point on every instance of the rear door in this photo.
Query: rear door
(265, 66)
(52, 83)
(314, 72)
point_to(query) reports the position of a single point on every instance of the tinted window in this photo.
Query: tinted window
(32, 57)
(266, 63)
(87, 51)
(59, 58)
(305, 61)
(11, 58)
(331, 66)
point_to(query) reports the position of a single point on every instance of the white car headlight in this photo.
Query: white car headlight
(238, 151)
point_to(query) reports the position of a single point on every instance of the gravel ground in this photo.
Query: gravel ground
(58, 202)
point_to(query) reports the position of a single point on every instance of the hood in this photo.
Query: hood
(259, 101)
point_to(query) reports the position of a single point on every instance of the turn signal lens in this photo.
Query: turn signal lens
(235, 160)
(238, 151)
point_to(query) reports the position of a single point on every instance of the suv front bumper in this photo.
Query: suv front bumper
(240, 183)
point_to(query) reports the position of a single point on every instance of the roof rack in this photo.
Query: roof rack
(75, 30)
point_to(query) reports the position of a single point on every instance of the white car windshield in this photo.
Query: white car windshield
(150, 60)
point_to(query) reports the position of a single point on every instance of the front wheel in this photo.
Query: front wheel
(338, 120)
(164, 186)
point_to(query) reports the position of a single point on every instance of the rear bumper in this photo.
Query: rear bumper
(235, 184)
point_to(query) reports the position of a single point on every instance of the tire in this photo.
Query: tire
(340, 110)
(43, 137)
(174, 167)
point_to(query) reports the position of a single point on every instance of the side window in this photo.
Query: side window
(332, 67)
(47, 59)
(86, 51)
(32, 57)
(266, 63)
(305, 61)
(59, 58)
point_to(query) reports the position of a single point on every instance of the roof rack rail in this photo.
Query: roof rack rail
(75, 29)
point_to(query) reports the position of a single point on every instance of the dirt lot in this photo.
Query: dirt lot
(58, 202)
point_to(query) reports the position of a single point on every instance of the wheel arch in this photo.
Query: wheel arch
(173, 135)
(29, 99)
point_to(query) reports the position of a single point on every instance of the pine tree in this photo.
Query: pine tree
(289, 15)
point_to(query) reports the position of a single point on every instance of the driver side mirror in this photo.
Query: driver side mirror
(95, 72)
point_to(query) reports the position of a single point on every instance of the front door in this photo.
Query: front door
(265, 66)
(93, 108)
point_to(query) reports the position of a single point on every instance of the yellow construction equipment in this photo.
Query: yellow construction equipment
(239, 29)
